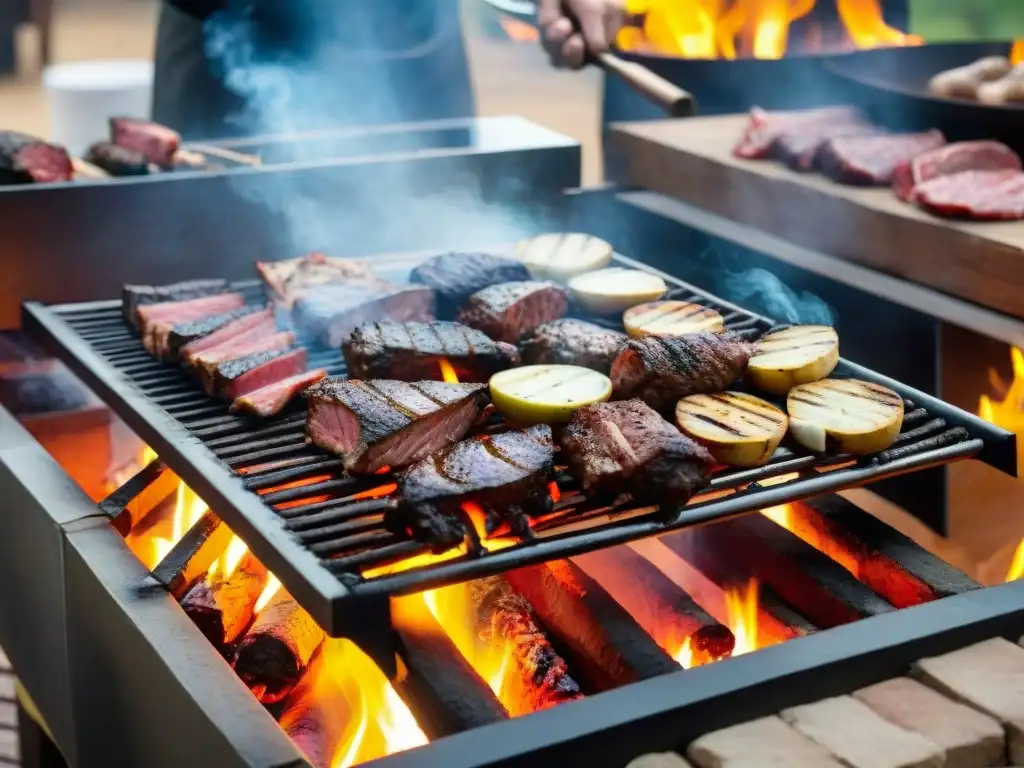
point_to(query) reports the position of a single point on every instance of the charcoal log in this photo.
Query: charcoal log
(604, 646)
(276, 650)
(223, 606)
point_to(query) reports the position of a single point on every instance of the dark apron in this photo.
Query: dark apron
(349, 72)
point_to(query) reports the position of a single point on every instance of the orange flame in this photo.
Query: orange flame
(228, 562)
(1017, 52)
(447, 371)
(519, 31)
(273, 584)
(1016, 570)
(708, 29)
(155, 543)
(741, 606)
(684, 656)
(1008, 412)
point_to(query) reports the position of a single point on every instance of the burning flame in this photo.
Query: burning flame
(684, 656)
(1007, 413)
(741, 606)
(708, 29)
(273, 584)
(447, 371)
(159, 537)
(228, 562)
(1017, 52)
(1017, 565)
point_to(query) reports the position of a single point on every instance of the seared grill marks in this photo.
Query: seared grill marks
(135, 296)
(506, 475)
(573, 342)
(507, 311)
(412, 351)
(373, 424)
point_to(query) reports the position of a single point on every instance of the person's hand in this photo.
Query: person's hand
(568, 42)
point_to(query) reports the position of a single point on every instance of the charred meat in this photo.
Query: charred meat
(135, 296)
(329, 313)
(243, 375)
(25, 159)
(232, 347)
(381, 423)
(413, 351)
(506, 475)
(206, 364)
(457, 276)
(289, 279)
(507, 311)
(626, 447)
(661, 370)
(120, 161)
(194, 335)
(572, 342)
(176, 311)
(156, 142)
(271, 400)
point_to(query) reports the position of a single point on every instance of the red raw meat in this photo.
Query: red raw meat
(871, 160)
(25, 158)
(206, 367)
(798, 147)
(224, 350)
(228, 332)
(157, 142)
(271, 400)
(765, 128)
(981, 195)
(247, 374)
(183, 311)
(950, 159)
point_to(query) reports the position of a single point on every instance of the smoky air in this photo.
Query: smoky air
(761, 288)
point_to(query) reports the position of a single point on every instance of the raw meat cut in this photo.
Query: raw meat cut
(871, 160)
(798, 148)
(413, 351)
(205, 366)
(765, 128)
(980, 195)
(572, 342)
(25, 159)
(626, 447)
(507, 311)
(380, 423)
(229, 348)
(209, 333)
(505, 475)
(156, 142)
(329, 313)
(135, 296)
(192, 309)
(271, 400)
(662, 369)
(950, 159)
(243, 375)
(456, 276)
(289, 279)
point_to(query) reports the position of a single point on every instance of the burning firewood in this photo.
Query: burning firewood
(223, 606)
(277, 648)
(504, 616)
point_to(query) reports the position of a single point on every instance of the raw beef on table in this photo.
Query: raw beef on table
(981, 195)
(952, 158)
(766, 128)
(872, 160)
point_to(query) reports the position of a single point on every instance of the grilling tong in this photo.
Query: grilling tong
(661, 92)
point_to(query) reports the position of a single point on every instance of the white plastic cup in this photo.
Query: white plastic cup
(84, 96)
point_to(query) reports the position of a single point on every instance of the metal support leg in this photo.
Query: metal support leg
(37, 751)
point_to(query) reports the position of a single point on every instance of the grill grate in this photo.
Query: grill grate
(262, 476)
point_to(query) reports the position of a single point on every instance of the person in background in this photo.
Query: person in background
(389, 61)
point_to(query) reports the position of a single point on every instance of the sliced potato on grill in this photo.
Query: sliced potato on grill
(738, 429)
(547, 394)
(670, 318)
(796, 355)
(560, 257)
(615, 289)
(845, 416)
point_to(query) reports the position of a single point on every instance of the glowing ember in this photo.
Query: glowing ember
(708, 29)
(741, 606)
(806, 525)
(1017, 565)
(1008, 412)
(228, 562)
(160, 535)
(447, 371)
(1017, 52)
(273, 584)
(684, 656)
(555, 491)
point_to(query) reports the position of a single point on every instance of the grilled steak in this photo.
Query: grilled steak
(192, 309)
(232, 347)
(156, 142)
(572, 342)
(206, 364)
(871, 160)
(25, 159)
(195, 335)
(507, 311)
(412, 351)
(626, 447)
(950, 159)
(506, 475)
(271, 399)
(456, 276)
(120, 161)
(374, 424)
(765, 128)
(661, 370)
(980, 195)
(135, 296)
(798, 148)
(289, 279)
(243, 375)
(329, 313)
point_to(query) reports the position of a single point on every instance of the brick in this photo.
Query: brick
(659, 760)
(970, 739)
(988, 676)
(764, 743)
(861, 738)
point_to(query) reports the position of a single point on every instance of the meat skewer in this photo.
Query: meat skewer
(25, 159)
(156, 142)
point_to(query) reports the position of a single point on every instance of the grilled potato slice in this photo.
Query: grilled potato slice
(615, 289)
(560, 257)
(670, 318)
(844, 415)
(796, 355)
(547, 394)
(738, 429)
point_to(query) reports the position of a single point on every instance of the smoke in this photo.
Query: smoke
(761, 288)
(327, 87)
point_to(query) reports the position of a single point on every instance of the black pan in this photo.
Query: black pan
(891, 85)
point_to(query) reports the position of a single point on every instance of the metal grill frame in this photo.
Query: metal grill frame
(349, 607)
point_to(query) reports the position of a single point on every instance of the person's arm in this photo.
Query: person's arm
(570, 29)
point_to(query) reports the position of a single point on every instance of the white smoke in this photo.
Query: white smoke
(777, 300)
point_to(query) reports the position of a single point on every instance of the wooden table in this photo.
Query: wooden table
(692, 161)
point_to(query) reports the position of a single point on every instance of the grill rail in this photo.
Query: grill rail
(319, 530)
